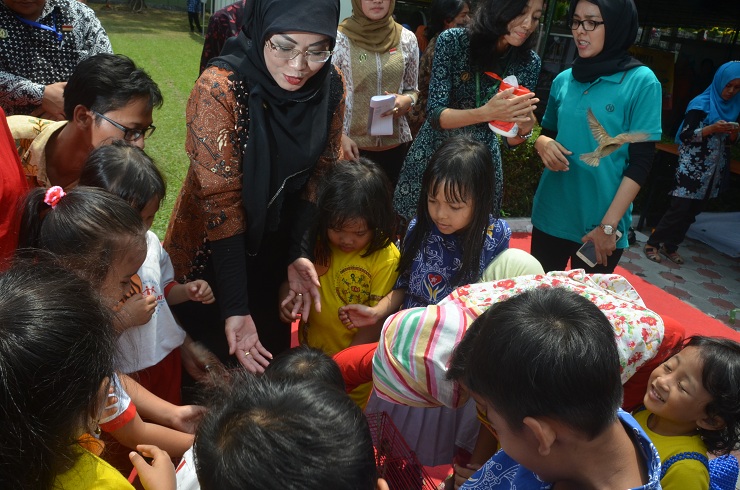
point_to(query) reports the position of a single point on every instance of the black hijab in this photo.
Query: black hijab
(287, 129)
(620, 22)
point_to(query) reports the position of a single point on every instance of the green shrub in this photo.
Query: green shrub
(522, 170)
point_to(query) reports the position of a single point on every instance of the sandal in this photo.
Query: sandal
(672, 256)
(652, 253)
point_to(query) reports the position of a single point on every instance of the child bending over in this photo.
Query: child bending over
(101, 238)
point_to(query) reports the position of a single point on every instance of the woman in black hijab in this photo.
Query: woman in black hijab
(587, 188)
(263, 125)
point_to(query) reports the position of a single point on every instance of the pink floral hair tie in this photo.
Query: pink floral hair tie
(53, 195)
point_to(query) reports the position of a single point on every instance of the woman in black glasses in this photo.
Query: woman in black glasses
(586, 191)
(263, 125)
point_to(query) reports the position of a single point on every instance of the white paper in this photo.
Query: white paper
(511, 80)
(377, 125)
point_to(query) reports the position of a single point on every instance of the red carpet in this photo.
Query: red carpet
(694, 321)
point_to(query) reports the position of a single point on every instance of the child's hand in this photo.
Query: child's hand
(138, 310)
(187, 417)
(160, 474)
(462, 473)
(200, 291)
(198, 361)
(357, 316)
(286, 307)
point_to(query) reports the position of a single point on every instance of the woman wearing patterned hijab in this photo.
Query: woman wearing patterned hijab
(263, 125)
(377, 56)
(704, 138)
(606, 94)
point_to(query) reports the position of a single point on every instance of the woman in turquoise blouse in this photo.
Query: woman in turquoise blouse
(578, 201)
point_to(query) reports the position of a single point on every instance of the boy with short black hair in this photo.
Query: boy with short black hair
(543, 368)
(282, 434)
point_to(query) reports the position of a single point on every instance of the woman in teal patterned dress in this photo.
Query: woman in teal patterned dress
(462, 99)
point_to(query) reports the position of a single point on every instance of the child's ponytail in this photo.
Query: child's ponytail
(34, 209)
(84, 228)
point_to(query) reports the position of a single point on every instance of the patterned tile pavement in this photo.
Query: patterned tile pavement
(708, 280)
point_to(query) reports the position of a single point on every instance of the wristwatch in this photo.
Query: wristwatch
(608, 229)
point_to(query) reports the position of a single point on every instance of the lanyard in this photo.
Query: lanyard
(39, 25)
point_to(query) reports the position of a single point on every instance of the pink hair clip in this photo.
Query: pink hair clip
(53, 195)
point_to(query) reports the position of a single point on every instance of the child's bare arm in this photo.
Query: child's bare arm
(359, 316)
(139, 432)
(198, 290)
(367, 335)
(183, 418)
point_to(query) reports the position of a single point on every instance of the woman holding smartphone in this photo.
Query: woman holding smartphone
(704, 138)
(578, 202)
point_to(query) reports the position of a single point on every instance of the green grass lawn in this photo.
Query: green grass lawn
(160, 42)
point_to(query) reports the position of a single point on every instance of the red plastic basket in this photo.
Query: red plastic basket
(396, 462)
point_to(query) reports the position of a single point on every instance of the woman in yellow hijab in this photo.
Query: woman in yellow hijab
(377, 56)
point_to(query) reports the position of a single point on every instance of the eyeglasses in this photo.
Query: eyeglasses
(588, 25)
(482, 415)
(129, 134)
(284, 53)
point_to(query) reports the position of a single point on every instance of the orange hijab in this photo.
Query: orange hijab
(377, 36)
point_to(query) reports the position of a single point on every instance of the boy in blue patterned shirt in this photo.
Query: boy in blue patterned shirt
(543, 369)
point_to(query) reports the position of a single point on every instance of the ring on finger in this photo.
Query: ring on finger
(247, 353)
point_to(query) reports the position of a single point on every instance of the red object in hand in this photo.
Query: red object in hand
(504, 128)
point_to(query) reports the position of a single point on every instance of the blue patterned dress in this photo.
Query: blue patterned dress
(437, 262)
(702, 161)
(453, 85)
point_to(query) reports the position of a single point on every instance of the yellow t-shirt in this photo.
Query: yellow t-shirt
(687, 473)
(350, 279)
(91, 472)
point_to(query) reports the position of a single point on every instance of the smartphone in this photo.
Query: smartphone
(587, 252)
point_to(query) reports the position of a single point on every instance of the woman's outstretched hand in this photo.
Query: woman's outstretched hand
(244, 343)
(304, 285)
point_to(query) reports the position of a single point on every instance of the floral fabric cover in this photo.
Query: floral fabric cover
(416, 344)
